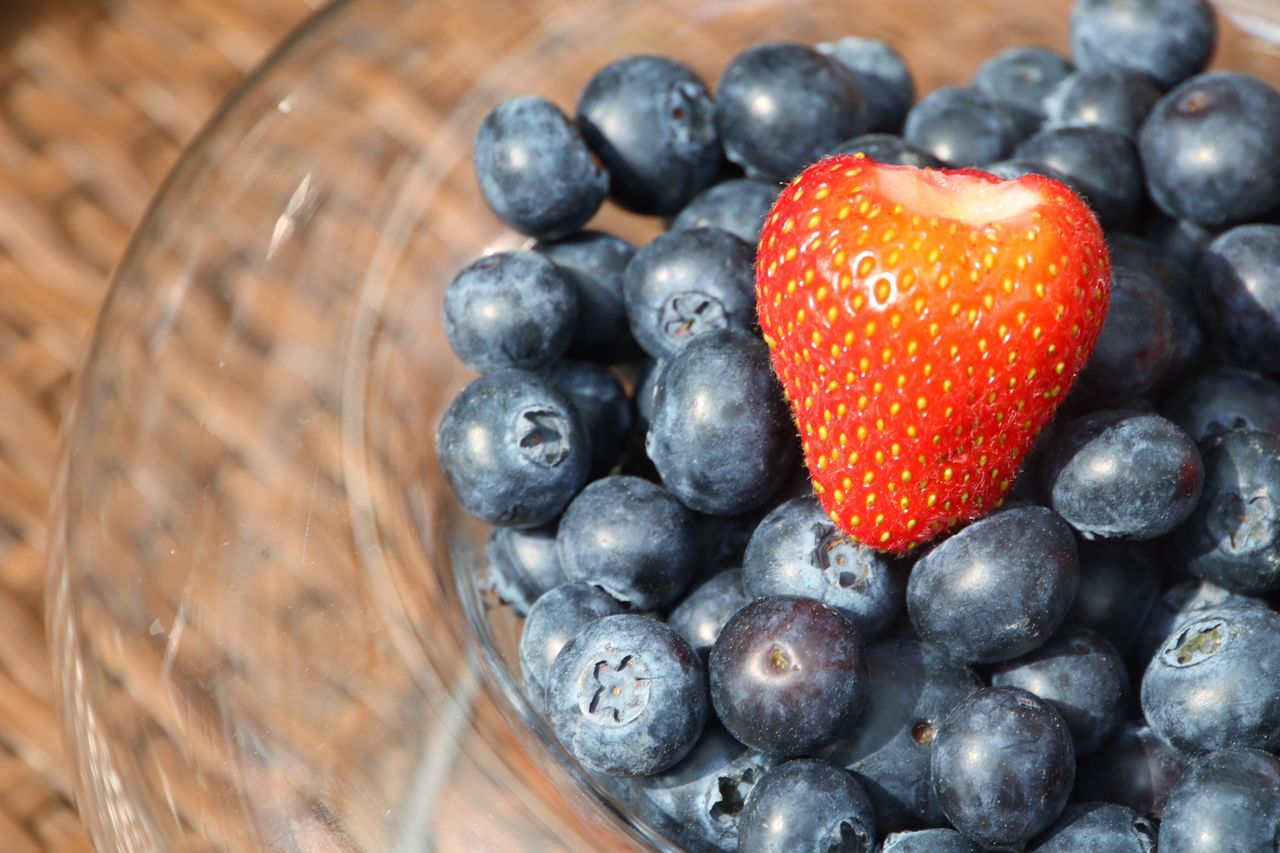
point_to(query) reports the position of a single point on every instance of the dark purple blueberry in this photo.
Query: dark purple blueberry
(883, 77)
(627, 696)
(1137, 344)
(702, 614)
(1135, 769)
(1180, 604)
(738, 206)
(513, 449)
(787, 675)
(535, 170)
(698, 802)
(781, 106)
(911, 689)
(1239, 291)
(602, 405)
(1100, 164)
(1022, 76)
(1176, 283)
(593, 264)
(1128, 475)
(721, 435)
(524, 564)
(688, 283)
(929, 841)
(1227, 802)
(1098, 828)
(1167, 39)
(1119, 585)
(887, 148)
(1115, 99)
(797, 550)
(961, 126)
(1002, 766)
(632, 539)
(1224, 398)
(1215, 683)
(998, 588)
(1079, 673)
(1230, 539)
(806, 805)
(552, 621)
(651, 122)
(1208, 149)
(642, 399)
(509, 310)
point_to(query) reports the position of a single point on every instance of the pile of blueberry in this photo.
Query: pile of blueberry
(1093, 667)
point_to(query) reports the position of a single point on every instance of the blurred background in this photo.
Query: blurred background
(97, 99)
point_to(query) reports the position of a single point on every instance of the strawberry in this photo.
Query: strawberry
(925, 325)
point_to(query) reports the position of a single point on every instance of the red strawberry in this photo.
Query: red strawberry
(925, 325)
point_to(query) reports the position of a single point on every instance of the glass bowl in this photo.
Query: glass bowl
(263, 615)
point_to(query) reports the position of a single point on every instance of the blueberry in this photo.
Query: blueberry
(1180, 604)
(998, 588)
(688, 283)
(535, 171)
(1180, 240)
(722, 539)
(1168, 39)
(1215, 683)
(721, 435)
(699, 800)
(1228, 802)
(552, 621)
(509, 310)
(1135, 769)
(632, 539)
(1002, 766)
(787, 675)
(1119, 585)
(602, 405)
(882, 75)
(796, 550)
(593, 264)
(929, 841)
(780, 106)
(513, 449)
(1022, 76)
(1098, 828)
(1230, 539)
(1115, 99)
(651, 122)
(1079, 673)
(911, 689)
(524, 564)
(1175, 282)
(1208, 149)
(1100, 164)
(1239, 290)
(1137, 344)
(627, 696)
(1117, 474)
(888, 148)
(962, 126)
(702, 614)
(1224, 398)
(806, 805)
(738, 206)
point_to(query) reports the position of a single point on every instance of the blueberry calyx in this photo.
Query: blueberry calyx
(613, 694)
(1244, 525)
(691, 313)
(1196, 643)
(542, 435)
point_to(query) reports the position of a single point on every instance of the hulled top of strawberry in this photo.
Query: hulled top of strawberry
(925, 325)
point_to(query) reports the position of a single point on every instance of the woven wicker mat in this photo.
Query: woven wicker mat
(97, 99)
